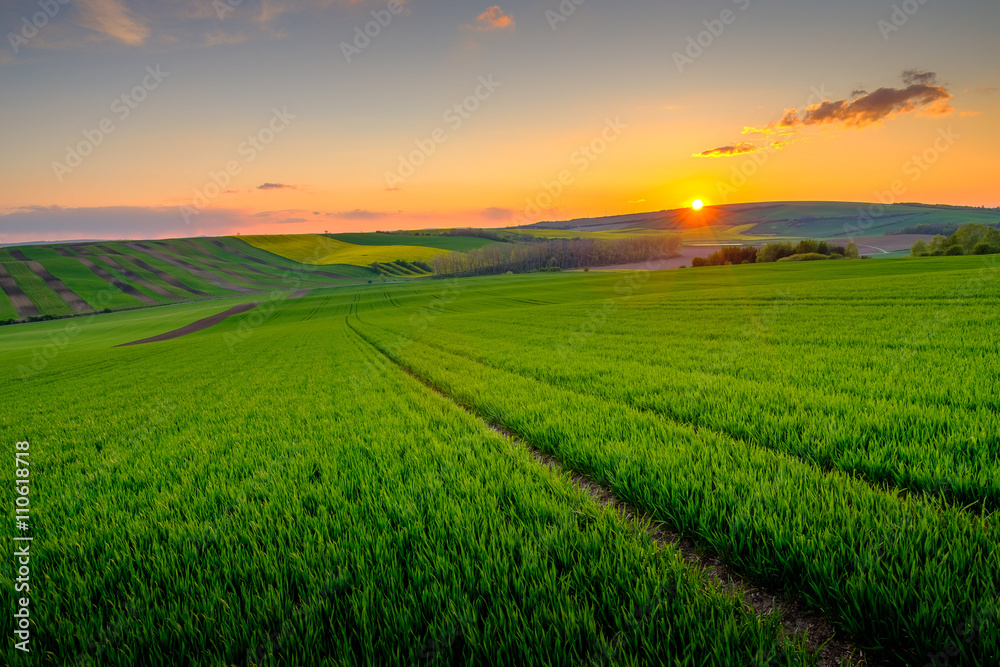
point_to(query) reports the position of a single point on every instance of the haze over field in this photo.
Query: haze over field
(147, 119)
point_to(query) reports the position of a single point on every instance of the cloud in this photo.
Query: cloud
(971, 113)
(357, 214)
(493, 18)
(912, 76)
(54, 223)
(112, 18)
(274, 186)
(728, 151)
(920, 95)
(217, 37)
(497, 213)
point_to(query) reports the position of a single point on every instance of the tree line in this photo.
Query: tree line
(970, 239)
(778, 251)
(556, 254)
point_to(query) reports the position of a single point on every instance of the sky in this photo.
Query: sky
(153, 118)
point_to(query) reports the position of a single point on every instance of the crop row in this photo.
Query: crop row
(910, 573)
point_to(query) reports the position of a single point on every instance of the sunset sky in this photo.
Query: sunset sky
(143, 119)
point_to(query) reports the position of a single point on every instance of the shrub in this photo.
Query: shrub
(804, 257)
(808, 247)
(772, 252)
(954, 250)
(985, 249)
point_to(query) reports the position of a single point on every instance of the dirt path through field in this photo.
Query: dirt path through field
(301, 293)
(198, 325)
(66, 294)
(797, 618)
(24, 306)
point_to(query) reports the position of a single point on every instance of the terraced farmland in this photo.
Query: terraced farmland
(372, 473)
(60, 280)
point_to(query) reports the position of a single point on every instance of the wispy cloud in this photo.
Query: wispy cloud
(728, 151)
(497, 213)
(275, 186)
(113, 19)
(217, 37)
(357, 214)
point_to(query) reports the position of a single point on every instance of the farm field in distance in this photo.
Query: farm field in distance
(355, 475)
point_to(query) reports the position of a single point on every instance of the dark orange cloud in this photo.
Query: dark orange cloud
(921, 94)
(728, 151)
(493, 18)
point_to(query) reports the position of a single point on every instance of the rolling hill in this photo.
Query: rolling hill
(769, 220)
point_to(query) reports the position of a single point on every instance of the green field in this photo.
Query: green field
(324, 250)
(7, 311)
(43, 296)
(444, 242)
(334, 479)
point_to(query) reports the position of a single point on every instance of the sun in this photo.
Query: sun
(697, 204)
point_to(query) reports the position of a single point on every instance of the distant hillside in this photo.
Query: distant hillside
(786, 219)
(73, 278)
